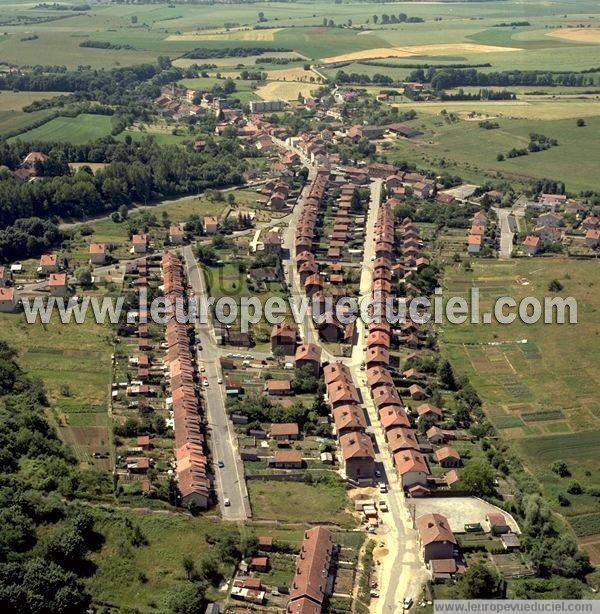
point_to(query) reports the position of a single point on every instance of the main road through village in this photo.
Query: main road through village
(402, 572)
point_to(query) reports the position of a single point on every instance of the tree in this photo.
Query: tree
(134, 19)
(206, 255)
(561, 468)
(477, 478)
(446, 375)
(555, 286)
(83, 276)
(580, 122)
(375, 19)
(304, 380)
(47, 587)
(480, 582)
(563, 500)
(187, 598)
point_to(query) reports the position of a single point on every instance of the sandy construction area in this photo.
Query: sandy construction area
(579, 35)
(406, 52)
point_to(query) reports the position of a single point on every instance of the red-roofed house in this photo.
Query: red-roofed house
(48, 264)
(57, 282)
(436, 537)
(531, 245)
(98, 253)
(308, 354)
(8, 299)
(448, 457)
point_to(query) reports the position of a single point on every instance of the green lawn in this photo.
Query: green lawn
(80, 129)
(12, 121)
(299, 502)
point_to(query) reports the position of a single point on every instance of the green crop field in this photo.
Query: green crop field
(542, 394)
(80, 129)
(16, 121)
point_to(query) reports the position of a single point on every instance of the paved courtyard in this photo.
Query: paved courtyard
(460, 511)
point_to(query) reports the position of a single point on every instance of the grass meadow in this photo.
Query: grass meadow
(297, 502)
(80, 129)
(466, 149)
(139, 578)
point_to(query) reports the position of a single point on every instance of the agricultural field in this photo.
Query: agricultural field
(15, 101)
(73, 361)
(80, 129)
(551, 40)
(14, 122)
(540, 389)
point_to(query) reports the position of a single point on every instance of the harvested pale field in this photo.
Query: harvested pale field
(560, 109)
(268, 34)
(95, 166)
(291, 74)
(285, 75)
(579, 35)
(285, 90)
(368, 54)
(412, 50)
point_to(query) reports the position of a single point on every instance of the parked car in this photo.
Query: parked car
(226, 502)
(220, 464)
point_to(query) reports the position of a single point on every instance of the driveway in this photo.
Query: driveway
(506, 232)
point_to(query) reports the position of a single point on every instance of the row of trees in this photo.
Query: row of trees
(447, 78)
(343, 77)
(39, 571)
(401, 18)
